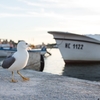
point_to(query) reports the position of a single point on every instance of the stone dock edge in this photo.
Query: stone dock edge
(46, 86)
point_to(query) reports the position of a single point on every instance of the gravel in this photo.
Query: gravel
(46, 86)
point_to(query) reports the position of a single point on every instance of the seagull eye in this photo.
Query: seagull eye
(26, 43)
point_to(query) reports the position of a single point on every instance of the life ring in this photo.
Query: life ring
(42, 63)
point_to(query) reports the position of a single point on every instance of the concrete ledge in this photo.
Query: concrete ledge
(45, 86)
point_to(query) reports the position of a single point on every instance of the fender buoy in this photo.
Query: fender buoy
(42, 63)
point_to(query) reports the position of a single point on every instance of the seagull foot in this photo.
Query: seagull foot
(14, 81)
(25, 78)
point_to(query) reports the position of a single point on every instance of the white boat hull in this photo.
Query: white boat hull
(77, 48)
(5, 52)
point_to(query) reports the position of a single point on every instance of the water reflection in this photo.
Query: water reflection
(83, 71)
(54, 64)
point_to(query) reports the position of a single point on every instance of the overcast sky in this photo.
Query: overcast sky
(30, 20)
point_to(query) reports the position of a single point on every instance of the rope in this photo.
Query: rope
(60, 42)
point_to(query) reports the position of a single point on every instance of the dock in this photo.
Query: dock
(46, 86)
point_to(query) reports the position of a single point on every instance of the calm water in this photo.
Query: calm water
(54, 64)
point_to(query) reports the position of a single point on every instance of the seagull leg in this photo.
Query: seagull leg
(24, 78)
(13, 80)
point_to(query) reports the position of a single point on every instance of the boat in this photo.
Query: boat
(76, 48)
(2, 52)
(36, 59)
(5, 49)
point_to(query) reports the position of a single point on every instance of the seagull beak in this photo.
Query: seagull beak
(28, 47)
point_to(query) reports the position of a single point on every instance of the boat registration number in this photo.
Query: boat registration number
(74, 46)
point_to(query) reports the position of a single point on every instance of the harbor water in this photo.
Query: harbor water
(54, 64)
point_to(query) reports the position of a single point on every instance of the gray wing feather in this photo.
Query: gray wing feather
(8, 62)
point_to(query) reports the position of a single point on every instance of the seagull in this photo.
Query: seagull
(17, 61)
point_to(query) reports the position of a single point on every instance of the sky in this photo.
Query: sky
(30, 20)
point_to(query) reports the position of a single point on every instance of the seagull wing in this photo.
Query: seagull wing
(8, 62)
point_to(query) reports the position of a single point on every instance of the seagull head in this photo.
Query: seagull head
(22, 45)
